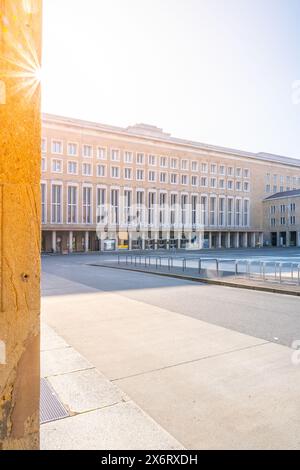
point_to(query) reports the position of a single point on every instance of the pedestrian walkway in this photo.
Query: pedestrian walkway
(100, 415)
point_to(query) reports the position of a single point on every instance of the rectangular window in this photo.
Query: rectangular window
(101, 171)
(140, 214)
(162, 208)
(114, 199)
(293, 220)
(230, 185)
(230, 212)
(184, 165)
(222, 170)
(204, 210)
(238, 212)
(293, 207)
(212, 210)
(127, 206)
(115, 155)
(203, 181)
(44, 164)
(57, 166)
(127, 173)
(151, 160)
(72, 205)
(184, 209)
(282, 220)
(140, 159)
(174, 178)
(72, 168)
(151, 176)
(246, 173)
(222, 184)
(140, 175)
(194, 166)
(101, 153)
(238, 185)
(115, 172)
(194, 210)
(213, 182)
(268, 188)
(87, 169)
(163, 162)
(213, 168)
(246, 186)
(230, 171)
(87, 151)
(204, 167)
(173, 218)
(194, 180)
(184, 179)
(56, 204)
(87, 205)
(72, 150)
(151, 207)
(128, 157)
(57, 146)
(44, 145)
(246, 213)
(174, 163)
(221, 211)
(101, 206)
(163, 177)
(44, 202)
(238, 172)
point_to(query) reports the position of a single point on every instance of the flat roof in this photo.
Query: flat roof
(283, 194)
(150, 132)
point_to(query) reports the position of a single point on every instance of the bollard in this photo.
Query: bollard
(217, 267)
(199, 266)
(236, 267)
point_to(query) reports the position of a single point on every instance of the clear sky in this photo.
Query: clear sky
(215, 71)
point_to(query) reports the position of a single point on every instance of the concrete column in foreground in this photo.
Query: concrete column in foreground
(220, 240)
(86, 242)
(245, 240)
(228, 240)
(209, 240)
(71, 242)
(20, 162)
(54, 241)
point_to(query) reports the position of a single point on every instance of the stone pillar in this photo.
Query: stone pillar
(210, 240)
(220, 240)
(228, 245)
(70, 242)
(237, 240)
(86, 242)
(129, 241)
(168, 239)
(261, 239)
(20, 162)
(253, 240)
(245, 240)
(155, 236)
(298, 239)
(288, 236)
(54, 241)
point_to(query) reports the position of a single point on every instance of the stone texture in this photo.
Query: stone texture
(20, 45)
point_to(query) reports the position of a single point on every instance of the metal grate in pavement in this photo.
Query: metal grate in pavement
(51, 408)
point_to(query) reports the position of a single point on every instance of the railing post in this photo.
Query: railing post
(236, 267)
(217, 267)
(280, 272)
(199, 266)
(264, 271)
(298, 274)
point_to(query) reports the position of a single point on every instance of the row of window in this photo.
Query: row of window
(150, 208)
(152, 176)
(140, 159)
(284, 221)
(283, 208)
(280, 183)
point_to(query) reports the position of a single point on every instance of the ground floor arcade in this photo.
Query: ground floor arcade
(63, 241)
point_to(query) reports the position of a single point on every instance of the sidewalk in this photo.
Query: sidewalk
(101, 416)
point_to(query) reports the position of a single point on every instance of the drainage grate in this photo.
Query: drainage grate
(51, 408)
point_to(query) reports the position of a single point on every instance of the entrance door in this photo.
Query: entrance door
(274, 239)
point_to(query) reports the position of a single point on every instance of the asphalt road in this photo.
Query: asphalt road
(267, 316)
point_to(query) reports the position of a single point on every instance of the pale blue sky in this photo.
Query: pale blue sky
(215, 71)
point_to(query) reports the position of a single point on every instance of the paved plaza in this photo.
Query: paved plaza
(211, 366)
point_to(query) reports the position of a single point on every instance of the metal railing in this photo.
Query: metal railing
(282, 272)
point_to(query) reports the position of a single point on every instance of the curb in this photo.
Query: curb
(273, 290)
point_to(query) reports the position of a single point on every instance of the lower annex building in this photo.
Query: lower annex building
(105, 187)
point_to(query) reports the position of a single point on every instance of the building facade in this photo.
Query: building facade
(105, 187)
(282, 218)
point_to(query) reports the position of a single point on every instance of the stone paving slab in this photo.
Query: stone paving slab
(86, 390)
(62, 361)
(120, 427)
